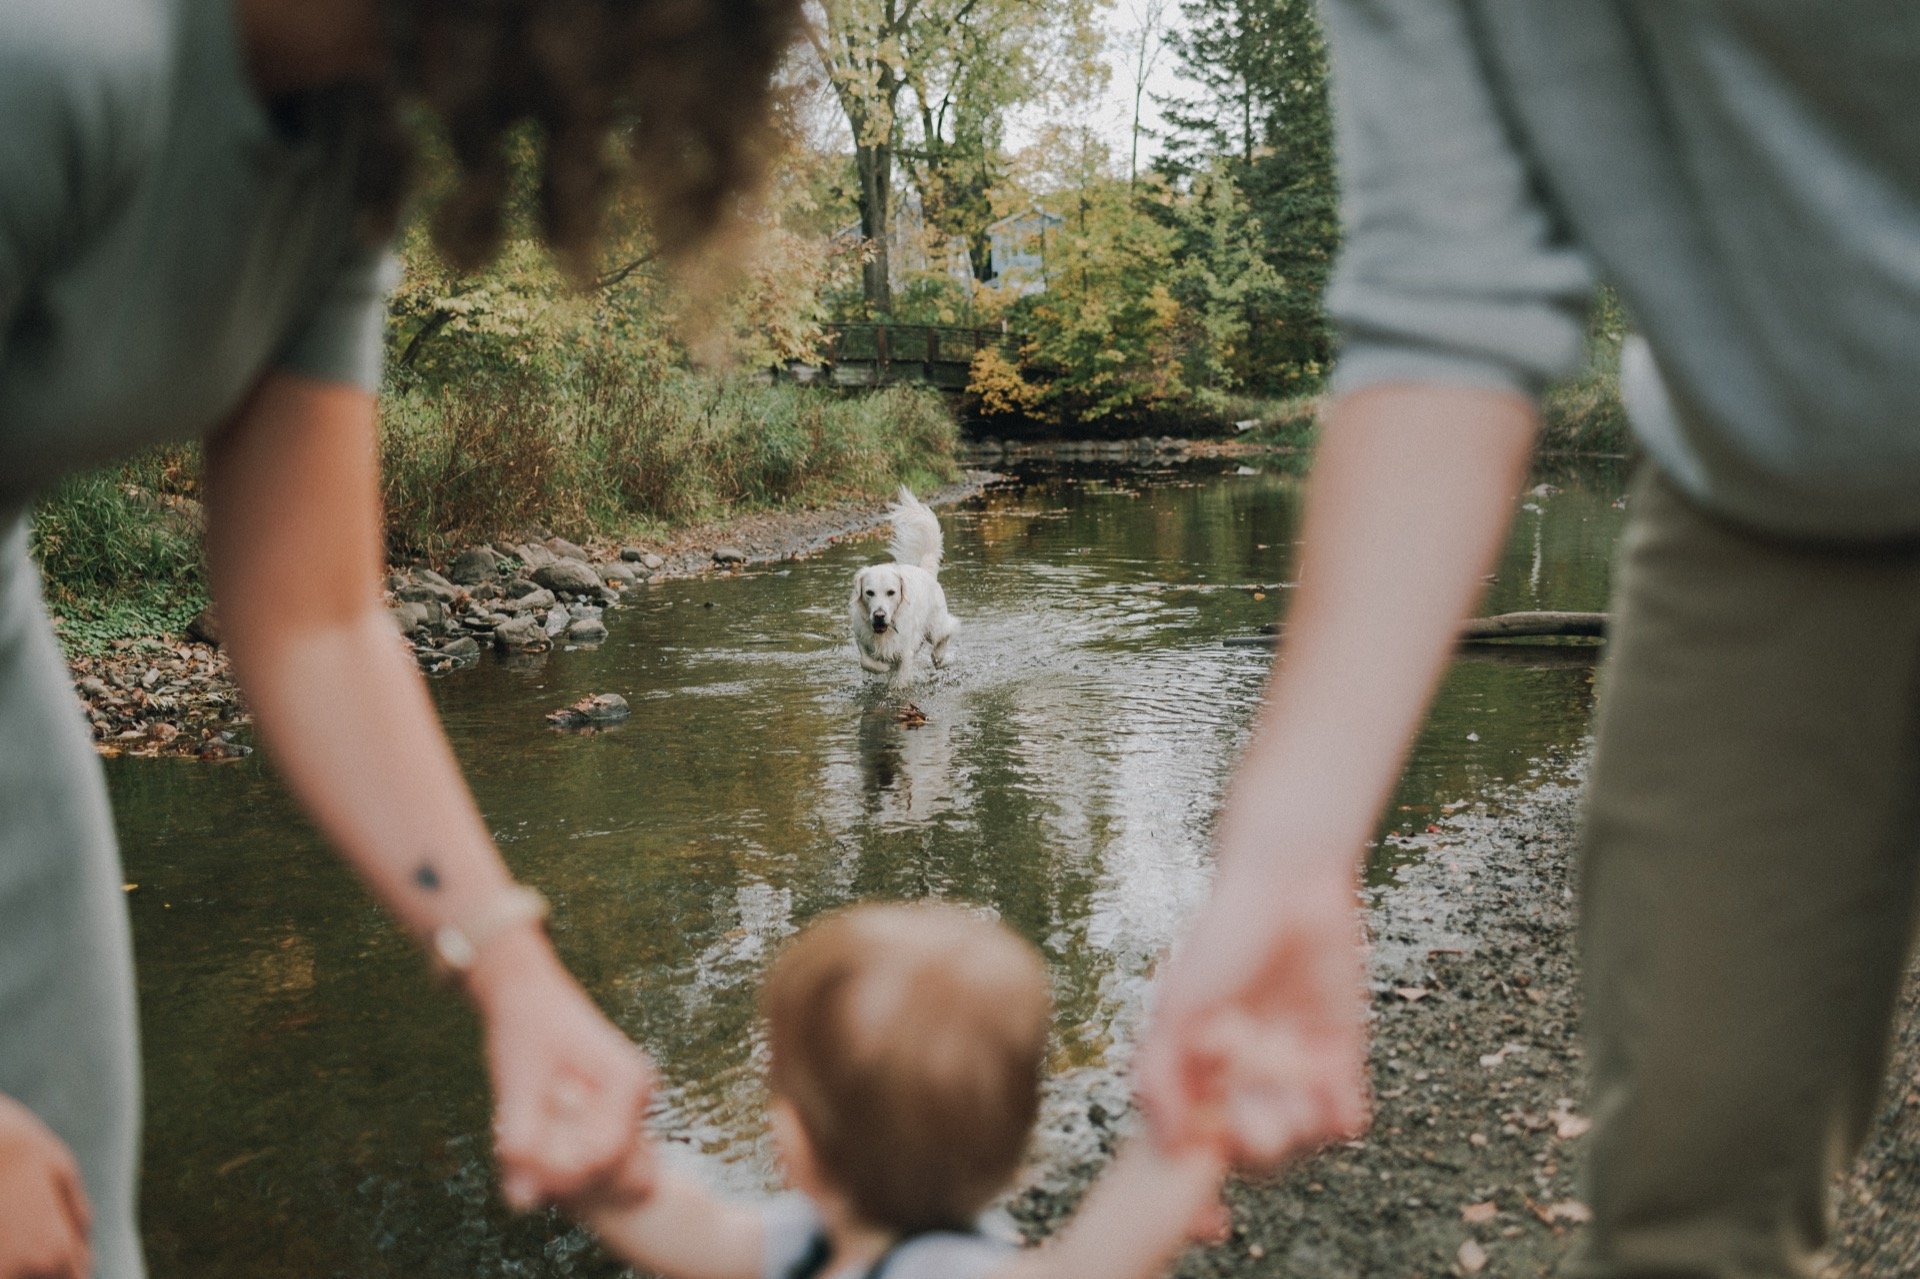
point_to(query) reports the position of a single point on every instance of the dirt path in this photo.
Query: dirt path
(1471, 1165)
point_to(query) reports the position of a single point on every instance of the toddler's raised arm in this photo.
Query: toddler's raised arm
(680, 1231)
(1138, 1217)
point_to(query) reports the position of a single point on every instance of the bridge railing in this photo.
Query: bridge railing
(882, 354)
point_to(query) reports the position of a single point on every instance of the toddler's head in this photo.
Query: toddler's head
(907, 1042)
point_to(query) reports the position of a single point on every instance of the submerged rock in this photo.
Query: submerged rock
(590, 712)
(588, 630)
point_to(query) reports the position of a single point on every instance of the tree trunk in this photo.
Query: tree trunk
(874, 162)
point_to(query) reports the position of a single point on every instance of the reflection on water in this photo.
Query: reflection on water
(316, 1107)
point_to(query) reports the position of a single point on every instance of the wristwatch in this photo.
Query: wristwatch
(456, 944)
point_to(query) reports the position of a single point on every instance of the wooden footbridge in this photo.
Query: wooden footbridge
(936, 355)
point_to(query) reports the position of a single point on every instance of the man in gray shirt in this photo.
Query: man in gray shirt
(1747, 174)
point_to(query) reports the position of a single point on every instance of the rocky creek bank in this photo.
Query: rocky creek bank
(174, 695)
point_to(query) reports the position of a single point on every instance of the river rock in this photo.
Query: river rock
(474, 565)
(729, 555)
(588, 630)
(506, 550)
(619, 571)
(634, 554)
(534, 555)
(431, 578)
(557, 621)
(520, 633)
(205, 627)
(538, 600)
(464, 649)
(568, 576)
(601, 708)
(409, 616)
(427, 592)
(566, 550)
(579, 610)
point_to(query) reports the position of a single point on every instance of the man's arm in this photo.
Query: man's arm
(1408, 506)
(294, 547)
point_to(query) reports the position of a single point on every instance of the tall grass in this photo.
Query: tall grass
(605, 453)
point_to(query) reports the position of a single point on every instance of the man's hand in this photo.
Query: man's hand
(1258, 1038)
(42, 1203)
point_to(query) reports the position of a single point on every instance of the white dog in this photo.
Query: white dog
(898, 608)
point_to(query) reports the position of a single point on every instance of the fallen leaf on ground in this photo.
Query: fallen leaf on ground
(1571, 1211)
(912, 716)
(1412, 994)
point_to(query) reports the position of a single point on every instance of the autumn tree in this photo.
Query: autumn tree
(927, 85)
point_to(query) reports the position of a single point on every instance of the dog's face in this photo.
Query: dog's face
(878, 592)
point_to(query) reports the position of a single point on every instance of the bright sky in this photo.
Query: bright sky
(1112, 113)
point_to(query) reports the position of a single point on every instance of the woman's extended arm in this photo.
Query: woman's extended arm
(1408, 505)
(294, 548)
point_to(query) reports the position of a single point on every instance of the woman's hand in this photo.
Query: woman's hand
(42, 1203)
(1258, 1036)
(570, 1091)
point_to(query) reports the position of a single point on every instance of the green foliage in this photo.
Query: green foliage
(120, 554)
(609, 451)
(1259, 124)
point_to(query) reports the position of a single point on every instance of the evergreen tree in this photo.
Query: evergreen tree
(1259, 119)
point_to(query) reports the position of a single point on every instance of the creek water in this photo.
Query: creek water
(317, 1107)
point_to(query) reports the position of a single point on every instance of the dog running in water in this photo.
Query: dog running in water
(898, 608)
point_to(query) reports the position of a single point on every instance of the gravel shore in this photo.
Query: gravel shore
(1471, 1166)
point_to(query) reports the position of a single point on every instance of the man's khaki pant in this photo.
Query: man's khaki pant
(1748, 887)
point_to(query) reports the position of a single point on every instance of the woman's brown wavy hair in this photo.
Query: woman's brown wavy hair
(683, 87)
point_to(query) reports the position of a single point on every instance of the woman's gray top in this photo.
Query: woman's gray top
(1747, 172)
(164, 241)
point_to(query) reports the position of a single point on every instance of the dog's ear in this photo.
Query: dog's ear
(902, 579)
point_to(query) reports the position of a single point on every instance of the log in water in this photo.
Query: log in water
(1532, 625)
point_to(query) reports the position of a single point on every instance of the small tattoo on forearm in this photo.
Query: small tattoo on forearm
(427, 877)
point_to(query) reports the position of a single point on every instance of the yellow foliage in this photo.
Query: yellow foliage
(998, 385)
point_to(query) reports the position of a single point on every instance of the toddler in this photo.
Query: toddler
(907, 1043)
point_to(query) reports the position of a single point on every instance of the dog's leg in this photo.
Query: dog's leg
(868, 662)
(903, 673)
(940, 649)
